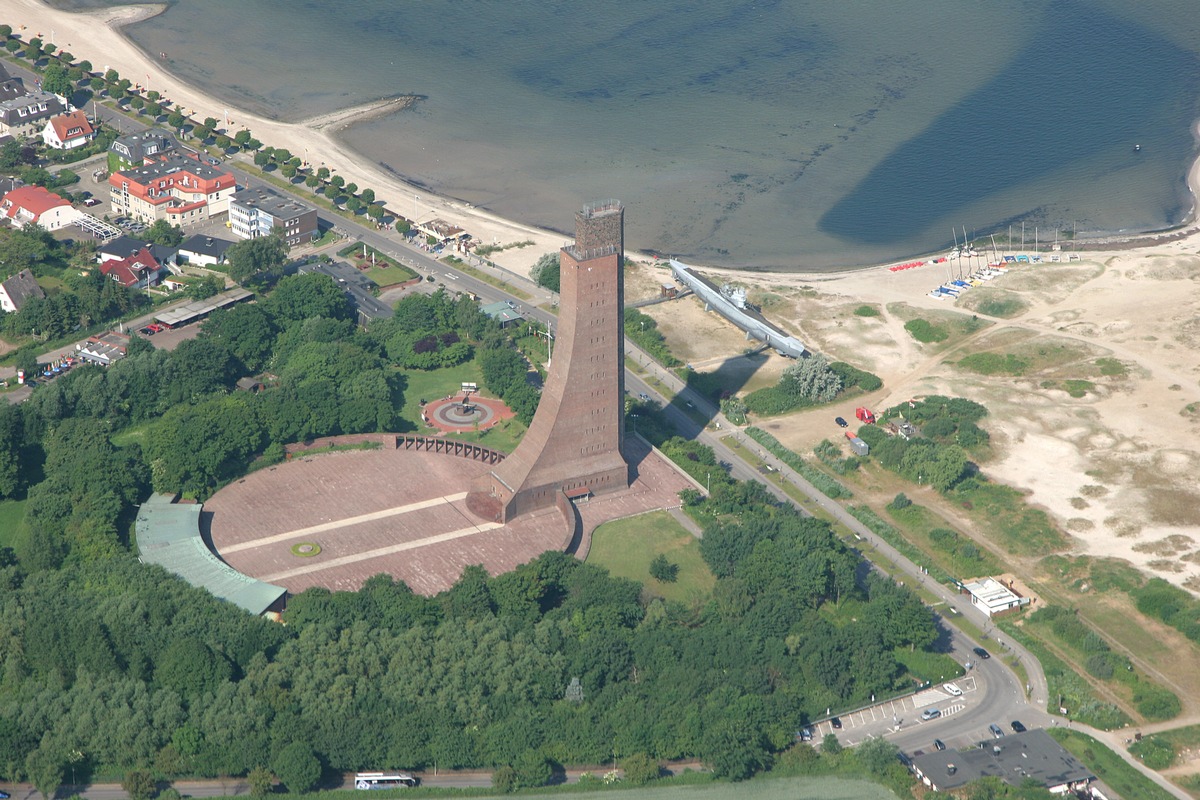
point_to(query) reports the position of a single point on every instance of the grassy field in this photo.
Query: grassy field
(993, 302)
(438, 383)
(626, 547)
(11, 512)
(1001, 511)
(1108, 766)
(956, 554)
(388, 275)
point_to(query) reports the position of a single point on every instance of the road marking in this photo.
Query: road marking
(342, 523)
(383, 551)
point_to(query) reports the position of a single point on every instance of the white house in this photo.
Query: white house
(203, 251)
(37, 204)
(18, 289)
(68, 131)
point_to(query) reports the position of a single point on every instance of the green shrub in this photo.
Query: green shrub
(1155, 752)
(994, 364)
(1156, 703)
(853, 376)
(900, 502)
(1100, 665)
(925, 332)
(866, 311)
(643, 330)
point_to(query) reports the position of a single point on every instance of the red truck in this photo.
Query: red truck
(864, 415)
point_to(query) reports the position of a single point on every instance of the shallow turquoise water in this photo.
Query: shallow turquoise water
(768, 134)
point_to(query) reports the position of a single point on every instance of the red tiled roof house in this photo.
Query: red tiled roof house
(36, 204)
(68, 131)
(138, 271)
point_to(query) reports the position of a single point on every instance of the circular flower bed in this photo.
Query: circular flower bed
(306, 549)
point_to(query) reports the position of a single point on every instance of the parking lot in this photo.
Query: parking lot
(903, 711)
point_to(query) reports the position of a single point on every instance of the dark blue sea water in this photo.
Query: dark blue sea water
(770, 134)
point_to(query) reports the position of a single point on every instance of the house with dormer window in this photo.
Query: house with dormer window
(25, 114)
(183, 190)
(68, 131)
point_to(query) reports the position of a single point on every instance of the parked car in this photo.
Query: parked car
(939, 744)
(979, 651)
(4, 795)
(836, 723)
(952, 689)
(805, 734)
(931, 713)
(92, 201)
(1018, 727)
(146, 331)
(842, 423)
(996, 730)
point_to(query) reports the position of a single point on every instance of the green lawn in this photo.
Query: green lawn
(388, 275)
(433, 384)
(1108, 766)
(626, 547)
(438, 383)
(11, 512)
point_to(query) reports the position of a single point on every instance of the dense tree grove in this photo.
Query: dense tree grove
(110, 658)
(939, 456)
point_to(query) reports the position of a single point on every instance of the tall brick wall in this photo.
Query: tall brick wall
(576, 437)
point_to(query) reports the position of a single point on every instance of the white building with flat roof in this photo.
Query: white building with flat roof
(992, 597)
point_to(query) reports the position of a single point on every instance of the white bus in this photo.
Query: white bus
(383, 780)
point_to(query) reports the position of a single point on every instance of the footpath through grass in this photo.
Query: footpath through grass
(1109, 767)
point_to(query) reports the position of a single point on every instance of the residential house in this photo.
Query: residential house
(39, 205)
(120, 247)
(138, 149)
(23, 115)
(10, 87)
(15, 291)
(127, 247)
(68, 131)
(203, 251)
(139, 271)
(256, 212)
(183, 190)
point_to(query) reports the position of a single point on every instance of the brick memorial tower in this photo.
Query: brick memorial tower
(575, 440)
